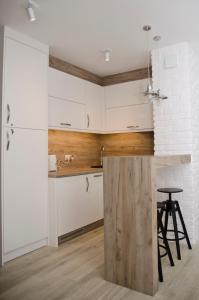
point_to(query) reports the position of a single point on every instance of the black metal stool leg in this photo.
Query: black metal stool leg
(183, 224)
(165, 239)
(166, 219)
(175, 226)
(160, 266)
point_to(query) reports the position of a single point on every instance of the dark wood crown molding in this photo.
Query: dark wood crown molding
(68, 68)
(125, 77)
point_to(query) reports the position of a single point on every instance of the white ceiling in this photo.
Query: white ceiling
(77, 30)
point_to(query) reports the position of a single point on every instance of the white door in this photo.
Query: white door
(25, 86)
(25, 183)
(66, 114)
(65, 86)
(130, 118)
(128, 93)
(95, 106)
(71, 197)
(95, 197)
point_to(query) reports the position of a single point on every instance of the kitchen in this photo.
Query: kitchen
(69, 153)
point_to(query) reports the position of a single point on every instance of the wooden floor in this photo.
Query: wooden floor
(75, 271)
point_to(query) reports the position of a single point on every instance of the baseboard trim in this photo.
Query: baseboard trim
(24, 250)
(75, 233)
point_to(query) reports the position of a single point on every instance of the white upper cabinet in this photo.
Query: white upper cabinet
(25, 102)
(124, 94)
(65, 86)
(127, 109)
(66, 114)
(130, 118)
(95, 107)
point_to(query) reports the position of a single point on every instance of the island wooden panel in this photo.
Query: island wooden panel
(130, 224)
(130, 219)
(132, 143)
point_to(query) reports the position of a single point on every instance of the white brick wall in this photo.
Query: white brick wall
(176, 125)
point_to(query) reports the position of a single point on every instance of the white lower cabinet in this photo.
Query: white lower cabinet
(130, 118)
(74, 202)
(66, 114)
(25, 185)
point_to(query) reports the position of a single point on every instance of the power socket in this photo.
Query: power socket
(68, 158)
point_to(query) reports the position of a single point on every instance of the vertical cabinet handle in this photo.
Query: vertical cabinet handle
(88, 120)
(87, 184)
(8, 113)
(8, 141)
(8, 138)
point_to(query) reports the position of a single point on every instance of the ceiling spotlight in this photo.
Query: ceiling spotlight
(157, 38)
(107, 54)
(30, 10)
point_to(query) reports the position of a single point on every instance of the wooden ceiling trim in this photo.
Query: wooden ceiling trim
(68, 68)
(125, 77)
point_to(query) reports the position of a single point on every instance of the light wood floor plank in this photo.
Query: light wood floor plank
(75, 271)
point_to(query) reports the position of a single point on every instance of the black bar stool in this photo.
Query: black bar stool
(170, 209)
(160, 229)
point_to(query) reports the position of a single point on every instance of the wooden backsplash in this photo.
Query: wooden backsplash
(131, 143)
(86, 146)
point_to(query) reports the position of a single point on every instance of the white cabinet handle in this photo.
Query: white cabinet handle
(132, 126)
(99, 175)
(8, 141)
(87, 184)
(8, 113)
(65, 124)
(88, 120)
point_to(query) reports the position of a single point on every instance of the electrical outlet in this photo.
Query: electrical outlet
(68, 158)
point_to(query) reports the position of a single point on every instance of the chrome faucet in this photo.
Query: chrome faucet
(101, 155)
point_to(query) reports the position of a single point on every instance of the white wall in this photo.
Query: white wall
(176, 124)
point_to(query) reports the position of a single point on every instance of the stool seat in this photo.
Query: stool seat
(170, 190)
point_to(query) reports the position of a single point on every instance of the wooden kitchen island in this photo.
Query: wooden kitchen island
(130, 219)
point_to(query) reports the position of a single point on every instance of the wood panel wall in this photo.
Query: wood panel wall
(86, 146)
(123, 144)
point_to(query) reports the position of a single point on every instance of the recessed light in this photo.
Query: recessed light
(107, 54)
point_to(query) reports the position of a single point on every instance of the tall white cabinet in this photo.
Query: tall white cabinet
(24, 147)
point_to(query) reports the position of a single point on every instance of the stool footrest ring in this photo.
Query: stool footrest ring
(173, 240)
(163, 247)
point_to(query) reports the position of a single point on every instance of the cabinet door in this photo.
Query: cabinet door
(95, 197)
(25, 102)
(128, 93)
(65, 86)
(25, 184)
(72, 203)
(66, 114)
(134, 118)
(95, 107)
